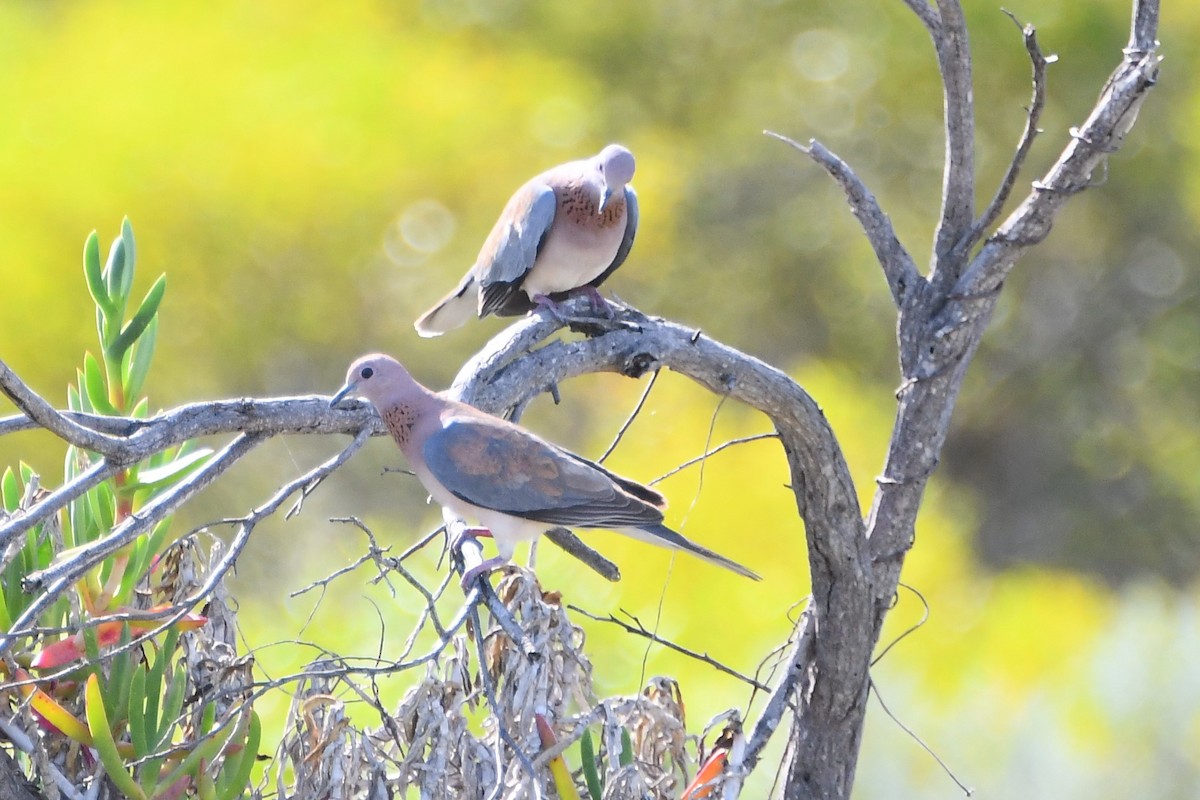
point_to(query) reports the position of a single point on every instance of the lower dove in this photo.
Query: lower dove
(513, 482)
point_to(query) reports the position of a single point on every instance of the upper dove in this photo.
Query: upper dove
(568, 228)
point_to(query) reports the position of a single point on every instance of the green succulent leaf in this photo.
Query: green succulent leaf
(138, 731)
(626, 748)
(171, 707)
(107, 327)
(94, 383)
(143, 554)
(587, 754)
(235, 772)
(114, 277)
(102, 507)
(104, 744)
(135, 363)
(85, 403)
(73, 402)
(95, 279)
(156, 477)
(140, 321)
(203, 752)
(116, 694)
(5, 616)
(154, 679)
(130, 251)
(9, 490)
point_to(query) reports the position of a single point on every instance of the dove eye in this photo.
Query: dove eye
(366, 372)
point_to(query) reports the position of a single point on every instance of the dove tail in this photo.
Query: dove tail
(663, 536)
(451, 311)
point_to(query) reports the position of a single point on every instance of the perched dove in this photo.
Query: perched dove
(516, 484)
(569, 228)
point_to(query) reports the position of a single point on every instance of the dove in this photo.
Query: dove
(568, 228)
(503, 476)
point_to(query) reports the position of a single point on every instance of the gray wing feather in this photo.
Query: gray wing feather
(507, 469)
(514, 242)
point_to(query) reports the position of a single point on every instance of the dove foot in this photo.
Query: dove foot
(599, 304)
(471, 575)
(551, 307)
(481, 570)
(601, 307)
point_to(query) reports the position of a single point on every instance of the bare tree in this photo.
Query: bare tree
(854, 560)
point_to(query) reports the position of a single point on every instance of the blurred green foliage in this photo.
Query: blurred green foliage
(312, 175)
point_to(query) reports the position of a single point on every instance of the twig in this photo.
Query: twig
(958, 176)
(875, 689)
(57, 578)
(489, 692)
(704, 456)
(574, 546)
(53, 502)
(1036, 104)
(772, 714)
(640, 630)
(927, 14)
(910, 629)
(629, 420)
(482, 590)
(1091, 143)
(898, 267)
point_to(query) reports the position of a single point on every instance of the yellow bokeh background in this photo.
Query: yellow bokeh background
(310, 176)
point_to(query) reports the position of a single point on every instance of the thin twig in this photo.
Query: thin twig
(927, 14)
(637, 409)
(489, 692)
(57, 578)
(1037, 103)
(55, 501)
(899, 269)
(641, 630)
(875, 689)
(704, 456)
(772, 714)
(910, 629)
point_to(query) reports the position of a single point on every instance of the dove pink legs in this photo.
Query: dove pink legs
(484, 567)
(597, 300)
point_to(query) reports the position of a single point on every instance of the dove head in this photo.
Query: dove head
(380, 379)
(615, 164)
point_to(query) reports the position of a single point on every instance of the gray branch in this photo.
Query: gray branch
(42, 414)
(958, 176)
(507, 374)
(898, 266)
(1036, 104)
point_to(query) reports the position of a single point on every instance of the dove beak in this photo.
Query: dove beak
(341, 394)
(605, 196)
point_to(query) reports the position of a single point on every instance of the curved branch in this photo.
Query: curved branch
(506, 375)
(43, 415)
